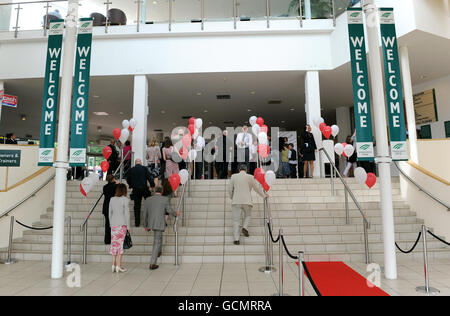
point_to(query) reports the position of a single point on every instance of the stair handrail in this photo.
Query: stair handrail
(32, 194)
(420, 187)
(181, 204)
(101, 195)
(366, 224)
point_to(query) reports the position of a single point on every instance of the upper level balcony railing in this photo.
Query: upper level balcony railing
(18, 16)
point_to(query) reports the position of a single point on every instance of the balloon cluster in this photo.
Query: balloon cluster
(344, 149)
(326, 130)
(194, 134)
(120, 135)
(363, 177)
(266, 179)
(260, 130)
(88, 183)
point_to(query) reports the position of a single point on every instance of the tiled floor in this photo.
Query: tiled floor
(33, 278)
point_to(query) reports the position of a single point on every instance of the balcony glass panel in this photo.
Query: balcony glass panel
(321, 9)
(5, 17)
(218, 10)
(284, 8)
(186, 10)
(253, 9)
(157, 11)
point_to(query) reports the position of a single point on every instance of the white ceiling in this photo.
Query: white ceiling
(177, 94)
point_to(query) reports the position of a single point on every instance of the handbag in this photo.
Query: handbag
(127, 243)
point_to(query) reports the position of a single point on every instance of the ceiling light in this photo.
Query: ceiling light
(23, 117)
(101, 113)
(199, 93)
(121, 113)
(163, 112)
(292, 109)
(249, 110)
(283, 122)
(252, 92)
(205, 111)
(96, 96)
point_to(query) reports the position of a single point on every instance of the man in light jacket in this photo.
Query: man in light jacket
(155, 210)
(240, 190)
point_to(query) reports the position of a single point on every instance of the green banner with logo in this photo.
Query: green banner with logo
(78, 131)
(50, 99)
(361, 91)
(394, 94)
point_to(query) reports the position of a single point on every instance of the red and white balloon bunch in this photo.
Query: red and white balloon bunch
(88, 183)
(363, 177)
(326, 130)
(260, 130)
(194, 134)
(266, 179)
(344, 149)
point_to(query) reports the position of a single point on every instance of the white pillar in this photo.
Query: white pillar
(383, 158)
(2, 91)
(409, 104)
(312, 108)
(140, 113)
(343, 121)
(61, 163)
(308, 9)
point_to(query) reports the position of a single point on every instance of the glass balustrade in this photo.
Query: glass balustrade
(31, 16)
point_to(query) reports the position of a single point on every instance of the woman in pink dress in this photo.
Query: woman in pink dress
(171, 166)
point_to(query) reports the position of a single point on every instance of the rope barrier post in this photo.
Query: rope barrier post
(301, 272)
(9, 260)
(281, 266)
(84, 259)
(426, 289)
(267, 243)
(271, 246)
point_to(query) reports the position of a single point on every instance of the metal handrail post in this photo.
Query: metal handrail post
(426, 289)
(69, 239)
(202, 9)
(234, 14)
(301, 286)
(9, 260)
(16, 28)
(47, 6)
(280, 272)
(85, 233)
(170, 15)
(107, 3)
(333, 12)
(347, 211)
(138, 20)
(268, 13)
(270, 246)
(175, 228)
(366, 241)
(300, 8)
(332, 179)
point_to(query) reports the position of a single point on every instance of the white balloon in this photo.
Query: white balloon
(184, 176)
(318, 120)
(87, 185)
(198, 123)
(94, 178)
(252, 120)
(360, 175)
(201, 143)
(133, 123)
(255, 129)
(262, 138)
(270, 177)
(334, 130)
(349, 150)
(339, 149)
(124, 136)
(125, 124)
(195, 134)
(192, 154)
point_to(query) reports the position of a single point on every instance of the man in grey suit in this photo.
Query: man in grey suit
(155, 210)
(240, 191)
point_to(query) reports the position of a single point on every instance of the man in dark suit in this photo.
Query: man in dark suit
(137, 179)
(114, 158)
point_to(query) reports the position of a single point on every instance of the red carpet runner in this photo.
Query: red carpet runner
(338, 279)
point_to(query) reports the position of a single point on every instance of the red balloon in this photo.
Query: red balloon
(130, 128)
(263, 150)
(184, 153)
(327, 132)
(371, 180)
(266, 187)
(107, 151)
(117, 132)
(322, 126)
(187, 140)
(264, 129)
(260, 121)
(82, 190)
(259, 175)
(192, 121)
(174, 181)
(191, 129)
(104, 165)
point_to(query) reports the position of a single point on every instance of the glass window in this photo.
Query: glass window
(253, 9)
(5, 17)
(218, 10)
(284, 8)
(321, 9)
(186, 10)
(157, 11)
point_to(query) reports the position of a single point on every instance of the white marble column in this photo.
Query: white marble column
(312, 108)
(140, 113)
(409, 104)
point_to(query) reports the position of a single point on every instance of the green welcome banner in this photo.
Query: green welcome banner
(78, 131)
(394, 95)
(50, 99)
(361, 92)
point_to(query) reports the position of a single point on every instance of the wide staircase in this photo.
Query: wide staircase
(312, 219)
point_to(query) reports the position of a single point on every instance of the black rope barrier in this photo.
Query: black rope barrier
(33, 228)
(287, 250)
(440, 239)
(310, 278)
(271, 236)
(412, 249)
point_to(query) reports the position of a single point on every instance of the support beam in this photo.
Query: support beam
(409, 104)
(383, 158)
(140, 113)
(312, 108)
(61, 163)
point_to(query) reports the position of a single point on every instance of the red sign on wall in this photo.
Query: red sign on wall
(9, 100)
